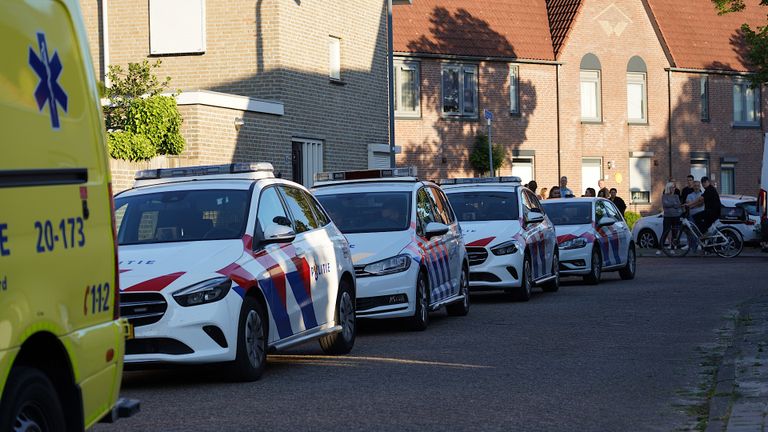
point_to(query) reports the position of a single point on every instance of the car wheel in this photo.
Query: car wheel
(30, 403)
(461, 308)
(526, 283)
(420, 319)
(646, 239)
(252, 337)
(628, 271)
(343, 341)
(596, 270)
(554, 284)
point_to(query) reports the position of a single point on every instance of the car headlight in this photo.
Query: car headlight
(395, 264)
(575, 243)
(505, 248)
(207, 291)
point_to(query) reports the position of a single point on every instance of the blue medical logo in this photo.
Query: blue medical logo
(48, 89)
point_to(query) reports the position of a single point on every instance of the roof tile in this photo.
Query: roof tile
(561, 16)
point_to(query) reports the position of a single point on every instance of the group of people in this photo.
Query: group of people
(562, 191)
(698, 201)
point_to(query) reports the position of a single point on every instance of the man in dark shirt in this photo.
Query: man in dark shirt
(617, 201)
(711, 200)
(687, 189)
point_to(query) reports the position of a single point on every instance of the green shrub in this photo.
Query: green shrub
(157, 118)
(479, 156)
(129, 146)
(631, 218)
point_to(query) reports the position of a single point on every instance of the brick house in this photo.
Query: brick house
(633, 92)
(301, 84)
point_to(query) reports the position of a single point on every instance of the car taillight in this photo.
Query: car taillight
(763, 204)
(116, 290)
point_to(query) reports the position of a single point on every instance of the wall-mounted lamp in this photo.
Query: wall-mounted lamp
(238, 123)
(611, 164)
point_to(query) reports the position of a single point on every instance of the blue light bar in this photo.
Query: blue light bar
(365, 174)
(479, 180)
(203, 170)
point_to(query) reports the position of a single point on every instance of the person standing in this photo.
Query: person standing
(694, 212)
(564, 191)
(589, 192)
(602, 191)
(711, 200)
(672, 211)
(543, 194)
(532, 186)
(554, 192)
(617, 201)
(687, 189)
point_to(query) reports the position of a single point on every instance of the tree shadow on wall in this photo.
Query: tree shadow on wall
(446, 152)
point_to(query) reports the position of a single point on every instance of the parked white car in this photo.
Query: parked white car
(511, 243)
(593, 238)
(225, 263)
(739, 211)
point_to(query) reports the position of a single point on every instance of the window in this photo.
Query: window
(442, 210)
(704, 97)
(304, 219)
(746, 104)
(523, 168)
(699, 168)
(459, 90)
(424, 212)
(176, 26)
(366, 212)
(514, 90)
(317, 209)
(484, 206)
(640, 180)
(727, 178)
(407, 94)
(591, 174)
(637, 96)
(334, 58)
(271, 211)
(590, 89)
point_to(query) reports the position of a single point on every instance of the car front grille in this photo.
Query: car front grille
(483, 277)
(477, 255)
(142, 308)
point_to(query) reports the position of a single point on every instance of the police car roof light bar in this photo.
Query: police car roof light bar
(203, 170)
(480, 180)
(365, 174)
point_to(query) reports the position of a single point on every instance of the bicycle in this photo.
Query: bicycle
(726, 241)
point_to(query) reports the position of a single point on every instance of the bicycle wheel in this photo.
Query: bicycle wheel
(733, 247)
(676, 242)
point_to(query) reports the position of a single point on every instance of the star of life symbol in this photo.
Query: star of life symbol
(48, 89)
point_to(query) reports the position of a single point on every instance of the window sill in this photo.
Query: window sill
(592, 122)
(416, 116)
(745, 125)
(337, 82)
(637, 123)
(459, 117)
(706, 120)
(515, 114)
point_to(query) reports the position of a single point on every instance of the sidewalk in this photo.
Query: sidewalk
(740, 400)
(749, 251)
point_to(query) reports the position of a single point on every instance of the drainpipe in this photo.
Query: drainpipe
(391, 89)
(669, 120)
(557, 104)
(104, 44)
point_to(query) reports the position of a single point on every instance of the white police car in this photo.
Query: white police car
(593, 238)
(406, 245)
(225, 263)
(510, 241)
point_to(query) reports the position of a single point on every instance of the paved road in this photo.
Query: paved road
(612, 357)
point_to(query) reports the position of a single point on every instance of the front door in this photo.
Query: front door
(435, 252)
(591, 173)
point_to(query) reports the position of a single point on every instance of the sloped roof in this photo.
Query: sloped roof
(561, 16)
(698, 38)
(488, 28)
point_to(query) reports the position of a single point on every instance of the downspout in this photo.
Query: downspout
(669, 119)
(104, 44)
(557, 104)
(391, 89)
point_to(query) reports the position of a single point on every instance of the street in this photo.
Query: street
(622, 355)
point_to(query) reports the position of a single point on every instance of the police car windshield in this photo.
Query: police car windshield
(367, 212)
(484, 206)
(189, 215)
(569, 213)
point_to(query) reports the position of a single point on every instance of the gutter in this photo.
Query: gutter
(391, 87)
(709, 71)
(478, 58)
(104, 44)
(669, 121)
(557, 105)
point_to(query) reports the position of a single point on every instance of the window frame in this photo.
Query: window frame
(415, 66)
(421, 226)
(633, 189)
(641, 78)
(282, 188)
(514, 89)
(728, 168)
(597, 94)
(334, 58)
(463, 70)
(258, 230)
(704, 98)
(744, 85)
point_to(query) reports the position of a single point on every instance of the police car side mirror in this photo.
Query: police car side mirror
(606, 221)
(276, 233)
(435, 229)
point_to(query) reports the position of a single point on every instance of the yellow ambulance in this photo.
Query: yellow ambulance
(61, 342)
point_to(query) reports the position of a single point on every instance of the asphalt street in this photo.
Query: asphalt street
(612, 357)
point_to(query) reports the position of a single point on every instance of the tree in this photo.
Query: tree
(479, 156)
(140, 121)
(756, 39)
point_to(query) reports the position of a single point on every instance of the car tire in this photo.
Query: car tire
(420, 319)
(523, 293)
(554, 284)
(461, 308)
(628, 271)
(342, 342)
(596, 269)
(30, 402)
(252, 336)
(646, 239)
